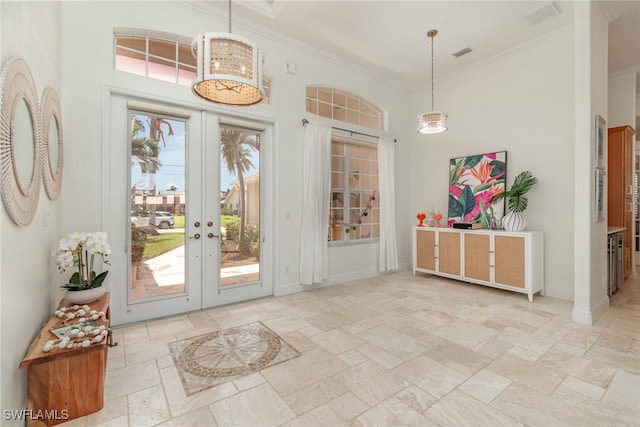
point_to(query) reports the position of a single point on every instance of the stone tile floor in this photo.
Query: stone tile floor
(395, 350)
(217, 357)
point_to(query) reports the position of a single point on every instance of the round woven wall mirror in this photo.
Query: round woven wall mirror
(52, 142)
(23, 146)
(20, 142)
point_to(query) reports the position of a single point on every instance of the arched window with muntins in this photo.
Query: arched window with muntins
(343, 106)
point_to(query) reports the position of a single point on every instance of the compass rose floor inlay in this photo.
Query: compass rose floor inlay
(217, 357)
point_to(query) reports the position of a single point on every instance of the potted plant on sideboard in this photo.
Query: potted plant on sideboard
(517, 201)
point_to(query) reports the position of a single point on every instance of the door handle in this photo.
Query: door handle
(211, 235)
(195, 236)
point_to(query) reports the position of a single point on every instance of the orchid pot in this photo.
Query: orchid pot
(78, 251)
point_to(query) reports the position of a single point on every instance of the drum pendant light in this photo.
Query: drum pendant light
(433, 121)
(229, 68)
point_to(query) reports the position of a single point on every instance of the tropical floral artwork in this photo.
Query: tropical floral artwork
(473, 182)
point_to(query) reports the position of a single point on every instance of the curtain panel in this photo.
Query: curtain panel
(316, 193)
(386, 173)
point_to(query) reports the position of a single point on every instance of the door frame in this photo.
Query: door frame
(115, 225)
(221, 296)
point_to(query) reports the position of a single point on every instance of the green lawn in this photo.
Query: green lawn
(162, 243)
(179, 221)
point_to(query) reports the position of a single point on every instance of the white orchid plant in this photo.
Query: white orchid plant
(79, 250)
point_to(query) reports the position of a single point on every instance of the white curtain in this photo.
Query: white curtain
(316, 189)
(388, 247)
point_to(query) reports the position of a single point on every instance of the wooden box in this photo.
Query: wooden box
(64, 384)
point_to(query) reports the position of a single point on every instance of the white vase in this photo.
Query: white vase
(514, 221)
(85, 296)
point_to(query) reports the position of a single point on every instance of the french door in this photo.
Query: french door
(190, 213)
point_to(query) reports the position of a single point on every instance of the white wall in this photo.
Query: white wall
(637, 126)
(591, 29)
(1, 281)
(521, 102)
(599, 95)
(26, 276)
(87, 58)
(622, 99)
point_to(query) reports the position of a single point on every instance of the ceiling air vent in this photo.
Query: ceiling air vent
(461, 52)
(544, 12)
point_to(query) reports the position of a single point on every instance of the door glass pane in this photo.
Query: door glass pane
(158, 199)
(240, 206)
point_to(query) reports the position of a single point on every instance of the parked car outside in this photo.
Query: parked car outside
(163, 219)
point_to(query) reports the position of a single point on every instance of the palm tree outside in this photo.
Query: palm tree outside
(236, 149)
(145, 151)
(157, 162)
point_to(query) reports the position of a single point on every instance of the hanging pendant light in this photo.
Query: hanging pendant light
(433, 121)
(229, 68)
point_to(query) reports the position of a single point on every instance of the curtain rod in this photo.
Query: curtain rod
(305, 121)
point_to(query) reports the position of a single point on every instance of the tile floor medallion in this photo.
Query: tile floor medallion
(214, 358)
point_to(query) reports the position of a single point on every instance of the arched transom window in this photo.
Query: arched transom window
(343, 106)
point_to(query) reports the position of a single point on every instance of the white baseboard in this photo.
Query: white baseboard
(292, 288)
(582, 316)
(352, 275)
(560, 293)
(405, 266)
(590, 317)
(600, 307)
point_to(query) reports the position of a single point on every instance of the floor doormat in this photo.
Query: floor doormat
(211, 359)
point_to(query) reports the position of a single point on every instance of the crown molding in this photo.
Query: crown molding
(610, 9)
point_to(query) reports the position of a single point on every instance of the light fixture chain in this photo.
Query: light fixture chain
(230, 17)
(432, 96)
(433, 121)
